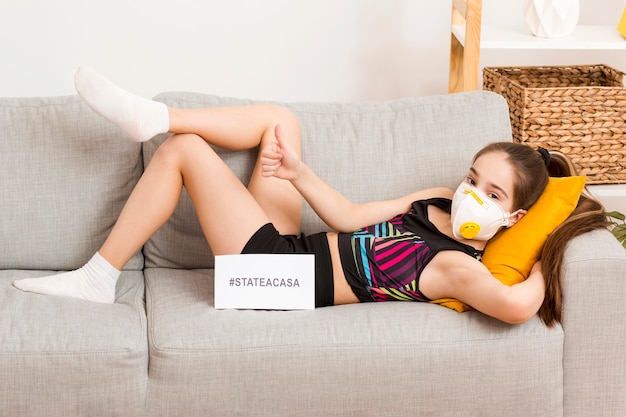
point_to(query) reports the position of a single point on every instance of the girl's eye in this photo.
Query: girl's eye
(471, 181)
(493, 196)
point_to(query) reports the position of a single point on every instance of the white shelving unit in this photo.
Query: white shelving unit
(519, 37)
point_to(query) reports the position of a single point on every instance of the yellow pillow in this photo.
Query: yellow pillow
(511, 254)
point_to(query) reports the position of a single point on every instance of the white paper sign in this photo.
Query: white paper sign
(265, 281)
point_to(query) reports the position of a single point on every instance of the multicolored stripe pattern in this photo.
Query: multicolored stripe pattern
(391, 259)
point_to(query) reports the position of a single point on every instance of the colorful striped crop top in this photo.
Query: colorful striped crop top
(384, 262)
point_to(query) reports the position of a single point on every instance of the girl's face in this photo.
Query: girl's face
(492, 174)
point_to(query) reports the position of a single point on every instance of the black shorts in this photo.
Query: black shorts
(268, 240)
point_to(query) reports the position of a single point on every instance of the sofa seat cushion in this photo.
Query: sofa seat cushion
(401, 356)
(76, 357)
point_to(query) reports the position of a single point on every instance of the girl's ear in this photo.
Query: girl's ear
(516, 216)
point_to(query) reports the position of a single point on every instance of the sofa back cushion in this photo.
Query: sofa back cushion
(368, 151)
(66, 173)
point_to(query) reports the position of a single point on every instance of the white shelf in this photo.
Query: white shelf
(511, 37)
(612, 196)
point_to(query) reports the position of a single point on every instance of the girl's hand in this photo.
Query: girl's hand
(279, 160)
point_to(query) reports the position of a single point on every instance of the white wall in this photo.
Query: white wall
(346, 50)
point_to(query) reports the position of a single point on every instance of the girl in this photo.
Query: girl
(424, 246)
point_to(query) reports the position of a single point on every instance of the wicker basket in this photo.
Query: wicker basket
(578, 110)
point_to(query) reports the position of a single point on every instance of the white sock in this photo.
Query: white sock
(139, 118)
(95, 281)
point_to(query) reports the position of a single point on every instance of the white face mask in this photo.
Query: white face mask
(476, 216)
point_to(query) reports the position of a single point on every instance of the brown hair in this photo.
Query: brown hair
(588, 215)
(529, 167)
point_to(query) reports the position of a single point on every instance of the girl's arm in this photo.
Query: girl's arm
(453, 274)
(280, 161)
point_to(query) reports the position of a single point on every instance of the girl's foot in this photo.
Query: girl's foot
(138, 117)
(95, 281)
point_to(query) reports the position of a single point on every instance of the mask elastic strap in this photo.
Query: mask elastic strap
(509, 215)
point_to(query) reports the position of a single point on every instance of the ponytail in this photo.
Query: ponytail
(588, 215)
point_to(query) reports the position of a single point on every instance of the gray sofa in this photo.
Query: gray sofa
(163, 350)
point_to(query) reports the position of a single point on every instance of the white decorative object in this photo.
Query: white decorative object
(551, 18)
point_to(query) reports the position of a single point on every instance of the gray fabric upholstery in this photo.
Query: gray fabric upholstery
(594, 319)
(66, 173)
(388, 359)
(62, 357)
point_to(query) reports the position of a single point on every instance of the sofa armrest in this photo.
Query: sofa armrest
(594, 322)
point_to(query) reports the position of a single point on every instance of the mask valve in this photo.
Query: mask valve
(469, 230)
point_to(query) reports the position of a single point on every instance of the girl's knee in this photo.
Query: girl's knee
(288, 119)
(177, 146)
(289, 122)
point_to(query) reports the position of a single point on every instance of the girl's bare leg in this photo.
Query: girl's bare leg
(234, 128)
(228, 212)
(247, 127)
